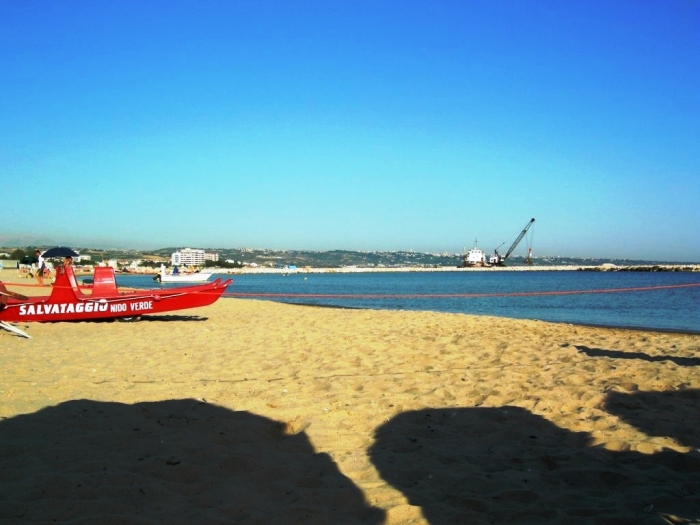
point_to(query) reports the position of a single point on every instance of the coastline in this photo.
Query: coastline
(533, 268)
(29, 287)
(87, 271)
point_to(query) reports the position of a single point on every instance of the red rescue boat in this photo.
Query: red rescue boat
(68, 302)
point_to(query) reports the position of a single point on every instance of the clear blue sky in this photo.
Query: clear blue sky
(353, 124)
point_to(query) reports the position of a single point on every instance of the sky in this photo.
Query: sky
(353, 124)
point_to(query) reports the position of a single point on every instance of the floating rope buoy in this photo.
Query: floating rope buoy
(459, 295)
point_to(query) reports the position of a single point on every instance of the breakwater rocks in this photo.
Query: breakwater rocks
(533, 268)
(642, 268)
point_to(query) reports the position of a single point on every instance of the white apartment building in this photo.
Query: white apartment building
(190, 257)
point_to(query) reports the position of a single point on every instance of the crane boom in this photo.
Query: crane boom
(500, 259)
(520, 238)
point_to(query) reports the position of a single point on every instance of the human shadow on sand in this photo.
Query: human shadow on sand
(507, 465)
(674, 413)
(179, 462)
(616, 354)
(140, 318)
(172, 317)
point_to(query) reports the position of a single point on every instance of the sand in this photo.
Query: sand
(249, 411)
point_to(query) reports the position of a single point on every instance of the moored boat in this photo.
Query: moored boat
(177, 276)
(474, 257)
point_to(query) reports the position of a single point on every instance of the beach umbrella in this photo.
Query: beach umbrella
(60, 251)
(28, 259)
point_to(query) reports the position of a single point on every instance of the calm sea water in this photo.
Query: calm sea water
(675, 309)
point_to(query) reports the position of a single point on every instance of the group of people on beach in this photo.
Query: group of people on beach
(42, 271)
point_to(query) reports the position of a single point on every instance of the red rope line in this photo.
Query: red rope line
(26, 285)
(457, 295)
(47, 286)
(423, 296)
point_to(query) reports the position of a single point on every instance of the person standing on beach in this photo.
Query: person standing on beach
(40, 267)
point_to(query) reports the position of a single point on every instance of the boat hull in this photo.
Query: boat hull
(68, 303)
(183, 278)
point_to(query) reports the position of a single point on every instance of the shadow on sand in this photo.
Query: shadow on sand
(179, 461)
(172, 317)
(617, 354)
(674, 413)
(507, 465)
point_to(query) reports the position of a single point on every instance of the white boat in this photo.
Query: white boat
(176, 276)
(474, 257)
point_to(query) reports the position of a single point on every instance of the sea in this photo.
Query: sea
(663, 301)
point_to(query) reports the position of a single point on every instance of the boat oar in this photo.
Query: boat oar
(14, 330)
(14, 295)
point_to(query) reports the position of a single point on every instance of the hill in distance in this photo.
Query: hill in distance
(338, 258)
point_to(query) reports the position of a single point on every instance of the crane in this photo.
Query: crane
(498, 259)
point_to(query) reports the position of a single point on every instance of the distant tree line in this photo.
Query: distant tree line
(222, 264)
(16, 255)
(19, 254)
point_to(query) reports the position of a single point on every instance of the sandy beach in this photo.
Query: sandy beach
(250, 411)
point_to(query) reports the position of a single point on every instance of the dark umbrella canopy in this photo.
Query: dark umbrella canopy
(28, 259)
(60, 251)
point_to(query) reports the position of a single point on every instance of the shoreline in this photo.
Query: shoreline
(30, 288)
(677, 331)
(691, 268)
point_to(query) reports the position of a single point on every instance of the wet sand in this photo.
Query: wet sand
(250, 411)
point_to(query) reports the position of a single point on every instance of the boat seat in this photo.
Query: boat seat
(71, 277)
(65, 287)
(104, 282)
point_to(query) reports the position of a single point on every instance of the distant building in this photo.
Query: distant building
(190, 257)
